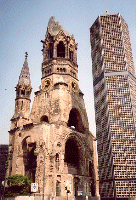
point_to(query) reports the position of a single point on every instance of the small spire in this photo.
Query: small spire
(107, 12)
(24, 77)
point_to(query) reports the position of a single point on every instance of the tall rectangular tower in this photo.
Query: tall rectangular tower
(115, 106)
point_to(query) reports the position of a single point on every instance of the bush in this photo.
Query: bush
(17, 185)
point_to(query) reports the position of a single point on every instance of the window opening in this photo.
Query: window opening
(58, 188)
(50, 51)
(92, 188)
(76, 181)
(71, 153)
(29, 159)
(57, 161)
(23, 92)
(27, 93)
(61, 50)
(90, 169)
(44, 119)
(46, 95)
(76, 189)
(71, 55)
(21, 105)
(73, 121)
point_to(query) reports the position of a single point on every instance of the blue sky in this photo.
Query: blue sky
(23, 25)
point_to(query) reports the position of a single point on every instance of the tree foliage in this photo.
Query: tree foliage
(18, 185)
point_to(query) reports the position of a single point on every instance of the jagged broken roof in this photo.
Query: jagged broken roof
(54, 28)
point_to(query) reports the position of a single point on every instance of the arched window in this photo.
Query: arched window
(71, 153)
(61, 50)
(57, 69)
(75, 121)
(50, 53)
(23, 92)
(44, 118)
(29, 158)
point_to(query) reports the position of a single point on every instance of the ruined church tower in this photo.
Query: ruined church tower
(53, 145)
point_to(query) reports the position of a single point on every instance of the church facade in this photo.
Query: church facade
(52, 144)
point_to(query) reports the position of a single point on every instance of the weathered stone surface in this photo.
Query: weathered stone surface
(52, 145)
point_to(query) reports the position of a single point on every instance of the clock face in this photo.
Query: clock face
(74, 86)
(46, 84)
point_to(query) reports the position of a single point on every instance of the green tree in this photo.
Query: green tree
(17, 185)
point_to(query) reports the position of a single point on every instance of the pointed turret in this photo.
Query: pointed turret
(23, 92)
(24, 78)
